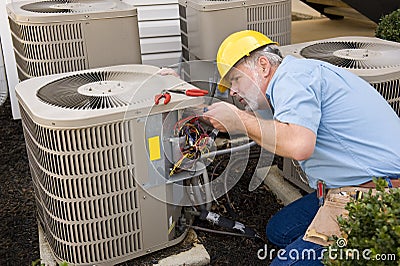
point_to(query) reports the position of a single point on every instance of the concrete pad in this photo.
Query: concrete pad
(46, 256)
(196, 256)
(301, 8)
(275, 181)
(324, 28)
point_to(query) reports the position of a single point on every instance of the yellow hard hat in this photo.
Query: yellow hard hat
(235, 47)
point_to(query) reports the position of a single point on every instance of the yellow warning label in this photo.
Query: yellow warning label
(154, 148)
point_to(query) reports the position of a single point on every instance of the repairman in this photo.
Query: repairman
(335, 124)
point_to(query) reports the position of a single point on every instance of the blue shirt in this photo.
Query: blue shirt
(358, 133)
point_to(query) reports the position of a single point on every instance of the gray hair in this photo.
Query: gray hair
(271, 52)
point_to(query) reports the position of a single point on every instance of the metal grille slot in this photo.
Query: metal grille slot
(85, 190)
(390, 90)
(33, 68)
(79, 139)
(97, 252)
(83, 163)
(46, 33)
(91, 186)
(48, 49)
(271, 19)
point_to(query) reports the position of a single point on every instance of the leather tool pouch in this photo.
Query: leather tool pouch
(325, 222)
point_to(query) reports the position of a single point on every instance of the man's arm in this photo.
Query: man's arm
(287, 140)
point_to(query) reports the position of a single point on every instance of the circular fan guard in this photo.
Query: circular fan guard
(354, 54)
(67, 92)
(66, 6)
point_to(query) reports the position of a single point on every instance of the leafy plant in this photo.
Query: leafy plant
(389, 27)
(371, 231)
(38, 262)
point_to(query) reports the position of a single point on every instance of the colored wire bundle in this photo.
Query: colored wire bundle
(195, 143)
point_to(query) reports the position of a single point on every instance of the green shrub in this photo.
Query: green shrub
(371, 231)
(389, 27)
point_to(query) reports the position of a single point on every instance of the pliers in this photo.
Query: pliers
(189, 92)
(164, 94)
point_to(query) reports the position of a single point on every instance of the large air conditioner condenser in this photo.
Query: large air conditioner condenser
(58, 36)
(101, 152)
(206, 23)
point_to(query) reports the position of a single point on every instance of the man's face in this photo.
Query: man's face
(245, 86)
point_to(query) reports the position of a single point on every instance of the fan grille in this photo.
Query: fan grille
(85, 190)
(67, 6)
(354, 54)
(92, 90)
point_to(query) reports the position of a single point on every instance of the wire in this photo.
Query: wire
(218, 232)
(196, 142)
(234, 149)
(212, 177)
(177, 164)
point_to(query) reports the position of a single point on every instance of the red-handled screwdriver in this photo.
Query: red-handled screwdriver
(320, 192)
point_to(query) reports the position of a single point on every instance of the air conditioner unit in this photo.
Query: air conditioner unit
(375, 60)
(3, 79)
(99, 150)
(60, 36)
(206, 23)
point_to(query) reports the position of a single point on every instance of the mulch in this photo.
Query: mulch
(19, 241)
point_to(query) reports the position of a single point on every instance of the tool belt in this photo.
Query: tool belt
(325, 222)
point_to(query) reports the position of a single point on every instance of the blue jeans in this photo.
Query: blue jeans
(287, 228)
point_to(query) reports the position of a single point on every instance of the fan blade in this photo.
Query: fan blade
(47, 7)
(64, 92)
(354, 55)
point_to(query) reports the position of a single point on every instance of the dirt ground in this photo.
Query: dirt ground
(19, 244)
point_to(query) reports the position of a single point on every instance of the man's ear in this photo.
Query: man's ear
(265, 65)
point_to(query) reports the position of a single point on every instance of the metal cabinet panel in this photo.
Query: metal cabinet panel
(160, 45)
(159, 31)
(149, 29)
(159, 12)
(162, 60)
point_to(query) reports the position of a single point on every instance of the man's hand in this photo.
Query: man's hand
(167, 71)
(225, 117)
